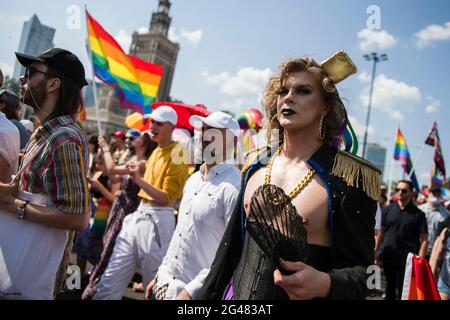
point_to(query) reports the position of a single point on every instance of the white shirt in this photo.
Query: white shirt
(205, 210)
(9, 143)
(378, 215)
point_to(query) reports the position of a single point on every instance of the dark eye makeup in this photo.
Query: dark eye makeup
(300, 89)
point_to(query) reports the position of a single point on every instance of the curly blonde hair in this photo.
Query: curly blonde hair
(336, 113)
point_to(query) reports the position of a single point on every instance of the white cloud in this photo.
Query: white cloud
(396, 115)
(173, 35)
(375, 40)
(433, 105)
(391, 96)
(192, 37)
(216, 78)
(364, 77)
(7, 69)
(142, 30)
(238, 105)
(124, 39)
(247, 80)
(432, 33)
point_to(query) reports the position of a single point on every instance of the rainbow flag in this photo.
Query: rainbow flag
(136, 81)
(101, 216)
(419, 283)
(434, 141)
(401, 153)
(435, 180)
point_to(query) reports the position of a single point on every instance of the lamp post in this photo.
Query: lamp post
(375, 58)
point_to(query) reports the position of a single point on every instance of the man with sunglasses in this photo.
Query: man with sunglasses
(403, 230)
(209, 198)
(130, 153)
(50, 196)
(146, 233)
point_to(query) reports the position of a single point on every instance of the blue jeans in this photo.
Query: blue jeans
(443, 287)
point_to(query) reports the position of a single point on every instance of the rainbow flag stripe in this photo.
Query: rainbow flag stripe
(101, 216)
(402, 153)
(136, 81)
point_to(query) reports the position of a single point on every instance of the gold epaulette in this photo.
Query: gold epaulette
(251, 157)
(351, 168)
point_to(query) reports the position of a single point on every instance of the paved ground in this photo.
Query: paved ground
(131, 295)
(76, 294)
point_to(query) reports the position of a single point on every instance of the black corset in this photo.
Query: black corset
(253, 277)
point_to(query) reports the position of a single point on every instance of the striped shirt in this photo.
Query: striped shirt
(60, 167)
(58, 159)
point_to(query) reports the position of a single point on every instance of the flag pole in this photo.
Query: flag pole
(415, 162)
(391, 172)
(94, 85)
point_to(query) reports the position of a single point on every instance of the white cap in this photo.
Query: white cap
(27, 124)
(218, 120)
(164, 114)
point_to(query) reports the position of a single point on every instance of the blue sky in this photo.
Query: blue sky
(230, 48)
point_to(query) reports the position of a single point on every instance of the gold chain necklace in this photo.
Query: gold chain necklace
(299, 187)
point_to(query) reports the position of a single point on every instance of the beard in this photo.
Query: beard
(35, 96)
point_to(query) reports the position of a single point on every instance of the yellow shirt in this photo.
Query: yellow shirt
(164, 174)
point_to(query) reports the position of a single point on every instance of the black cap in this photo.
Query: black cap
(64, 62)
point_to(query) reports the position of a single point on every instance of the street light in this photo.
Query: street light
(375, 58)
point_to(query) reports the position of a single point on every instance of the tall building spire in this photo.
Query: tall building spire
(160, 23)
(156, 47)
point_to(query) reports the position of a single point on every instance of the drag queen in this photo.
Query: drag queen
(304, 225)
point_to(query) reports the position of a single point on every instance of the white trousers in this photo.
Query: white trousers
(140, 246)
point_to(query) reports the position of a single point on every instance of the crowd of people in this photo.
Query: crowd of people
(300, 219)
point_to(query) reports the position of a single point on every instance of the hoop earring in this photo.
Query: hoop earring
(322, 129)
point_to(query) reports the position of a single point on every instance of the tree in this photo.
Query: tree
(11, 84)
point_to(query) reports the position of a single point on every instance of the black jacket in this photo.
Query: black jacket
(351, 218)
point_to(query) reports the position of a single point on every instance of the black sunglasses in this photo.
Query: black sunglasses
(31, 71)
(401, 190)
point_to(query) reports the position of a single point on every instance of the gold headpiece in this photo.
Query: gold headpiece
(339, 67)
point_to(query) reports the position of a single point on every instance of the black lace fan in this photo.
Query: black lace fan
(273, 222)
